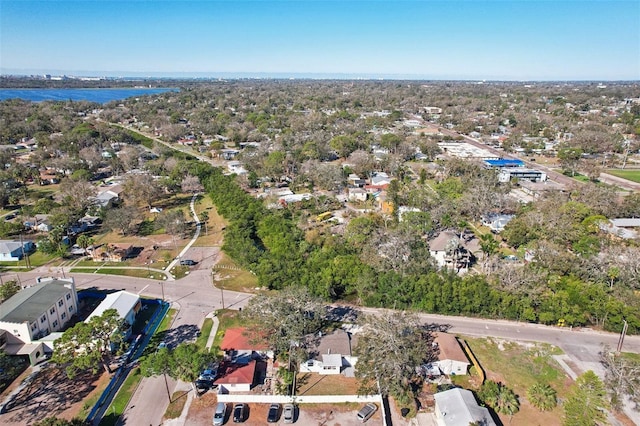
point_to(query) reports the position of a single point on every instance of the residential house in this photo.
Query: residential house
(107, 198)
(355, 181)
(496, 221)
(357, 194)
(241, 345)
(13, 251)
(458, 407)
(333, 354)
(110, 252)
(539, 188)
(35, 312)
(236, 167)
(451, 358)
(454, 251)
(229, 154)
(48, 177)
(625, 228)
(236, 377)
(38, 223)
(380, 179)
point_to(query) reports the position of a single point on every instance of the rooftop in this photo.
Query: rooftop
(449, 348)
(459, 408)
(235, 374)
(32, 301)
(242, 338)
(121, 301)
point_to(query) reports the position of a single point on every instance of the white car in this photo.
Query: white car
(367, 411)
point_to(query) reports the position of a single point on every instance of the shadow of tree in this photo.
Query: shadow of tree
(49, 392)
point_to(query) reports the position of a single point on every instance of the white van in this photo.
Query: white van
(219, 414)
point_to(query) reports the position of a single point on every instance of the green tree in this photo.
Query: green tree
(84, 241)
(389, 349)
(489, 246)
(570, 159)
(542, 396)
(204, 219)
(344, 145)
(123, 219)
(87, 345)
(499, 397)
(289, 316)
(586, 404)
(9, 289)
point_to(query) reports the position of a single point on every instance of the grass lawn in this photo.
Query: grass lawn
(211, 234)
(228, 319)
(331, 384)
(175, 407)
(201, 341)
(119, 403)
(519, 366)
(136, 273)
(632, 175)
(231, 277)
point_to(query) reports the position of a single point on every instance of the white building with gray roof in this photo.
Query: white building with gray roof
(36, 312)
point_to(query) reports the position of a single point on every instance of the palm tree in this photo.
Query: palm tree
(542, 396)
(507, 402)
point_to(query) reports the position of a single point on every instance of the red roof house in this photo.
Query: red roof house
(238, 377)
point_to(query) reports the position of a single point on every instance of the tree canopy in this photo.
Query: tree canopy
(88, 345)
(390, 348)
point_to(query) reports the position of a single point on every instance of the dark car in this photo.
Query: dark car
(240, 413)
(273, 414)
(204, 385)
(188, 262)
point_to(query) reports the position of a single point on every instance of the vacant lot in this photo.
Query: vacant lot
(520, 365)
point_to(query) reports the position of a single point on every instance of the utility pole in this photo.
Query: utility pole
(162, 287)
(622, 335)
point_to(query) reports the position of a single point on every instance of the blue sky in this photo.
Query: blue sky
(504, 39)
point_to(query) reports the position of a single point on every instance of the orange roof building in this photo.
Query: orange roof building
(243, 339)
(238, 377)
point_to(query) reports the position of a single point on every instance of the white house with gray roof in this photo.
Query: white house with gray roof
(35, 312)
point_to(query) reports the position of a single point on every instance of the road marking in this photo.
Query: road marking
(143, 289)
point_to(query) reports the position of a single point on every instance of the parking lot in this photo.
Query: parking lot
(201, 413)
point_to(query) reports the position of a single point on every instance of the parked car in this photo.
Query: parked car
(208, 374)
(204, 385)
(219, 414)
(274, 413)
(240, 413)
(367, 411)
(188, 262)
(289, 413)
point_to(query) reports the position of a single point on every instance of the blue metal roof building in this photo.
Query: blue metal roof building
(504, 162)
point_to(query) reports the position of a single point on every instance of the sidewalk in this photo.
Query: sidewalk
(182, 420)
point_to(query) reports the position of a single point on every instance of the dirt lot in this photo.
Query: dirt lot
(201, 413)
(51, 393)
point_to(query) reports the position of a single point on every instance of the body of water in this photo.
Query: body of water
(92, 95)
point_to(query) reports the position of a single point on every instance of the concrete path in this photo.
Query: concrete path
(193, 240)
